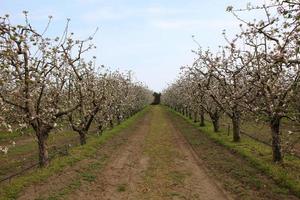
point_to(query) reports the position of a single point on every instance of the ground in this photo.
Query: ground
(160, 156)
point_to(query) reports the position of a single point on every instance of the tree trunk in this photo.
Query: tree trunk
(195, 117)
(216, 124)
(202, 123)
(118, 120)
(82, 137)
(100, 128)
(276, 143)
(43, 150)
(111, 123)
(215, 118)
(190, 114)
(236, 123)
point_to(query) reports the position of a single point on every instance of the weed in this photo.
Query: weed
(121, 188)
(88, 177)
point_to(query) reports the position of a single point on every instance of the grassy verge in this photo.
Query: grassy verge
(261, 130)
(286, 175)
(161, 175)
(86, 175)
(6, 136)
(25, 153)
(76, 154)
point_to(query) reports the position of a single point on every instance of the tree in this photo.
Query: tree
(274, 42)
(156, 100)
(89, 89)
(227, 82)
(34, 72)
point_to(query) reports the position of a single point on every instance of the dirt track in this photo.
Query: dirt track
(155, 163)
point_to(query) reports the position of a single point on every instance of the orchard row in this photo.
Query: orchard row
(46, 83)
(256, 72)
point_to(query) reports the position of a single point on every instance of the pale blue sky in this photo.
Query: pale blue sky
(152, 38)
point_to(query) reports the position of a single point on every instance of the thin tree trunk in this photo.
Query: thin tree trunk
(100, 128)
(215, 118)
(276, 143)
(111, 123)
(202, 119)
(118, 120)
(43, 148)
(82, 137)
(236, 123)
(216, 124)
(195, 116)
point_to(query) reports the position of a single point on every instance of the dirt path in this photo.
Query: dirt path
(120, 178)
(155, 163)
(200, 184)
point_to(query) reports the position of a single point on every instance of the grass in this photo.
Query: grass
(76, 154)
(6, 136)
(88, 174)
(121, 188)
(178, 177)
(74, 185)
(286, 175)
(161, 177)
(251, 127)
(89, 177)
(26, 153)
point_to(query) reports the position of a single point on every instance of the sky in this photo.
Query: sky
(152, 38)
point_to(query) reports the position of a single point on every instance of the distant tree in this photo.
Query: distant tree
(156, 100)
